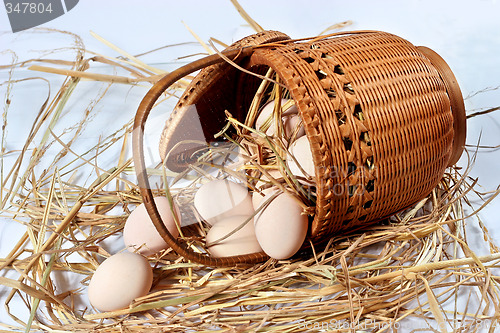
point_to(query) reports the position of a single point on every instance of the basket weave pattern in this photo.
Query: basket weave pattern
(378, 119)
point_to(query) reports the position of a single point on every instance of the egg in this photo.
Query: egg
(290, 124)
(257, 196)
(119, 280)
(242, 241)
(139, 232)
(301, 151)
(280, 227)
(222, 198)
(290, 118)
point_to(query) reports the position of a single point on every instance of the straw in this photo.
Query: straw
(416, 264)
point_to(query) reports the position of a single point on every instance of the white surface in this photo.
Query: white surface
(465, 33)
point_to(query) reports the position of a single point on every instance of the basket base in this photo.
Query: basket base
(456, 102)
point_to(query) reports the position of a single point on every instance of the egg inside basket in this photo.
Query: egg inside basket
(345, 130)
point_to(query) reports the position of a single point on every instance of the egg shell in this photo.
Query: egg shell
(219, 199)
(119, 280)
(290, 123)
(290, 119)
(241, 242)
(301, 150)
(258, 196)
(139, 232)
(280, 227)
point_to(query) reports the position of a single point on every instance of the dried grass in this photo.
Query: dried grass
(417, 264)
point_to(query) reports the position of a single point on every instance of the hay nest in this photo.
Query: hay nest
(414, 269)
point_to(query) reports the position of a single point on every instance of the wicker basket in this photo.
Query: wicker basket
(384, 119)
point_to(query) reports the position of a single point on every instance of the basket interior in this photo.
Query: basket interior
(205, 110)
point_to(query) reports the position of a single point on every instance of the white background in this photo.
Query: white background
(465, 33)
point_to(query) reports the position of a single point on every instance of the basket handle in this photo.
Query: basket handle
(141, 116)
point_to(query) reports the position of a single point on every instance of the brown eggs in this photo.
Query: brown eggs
(139, 232)
(280, 228)
(219, 199)
(119, 280)
(242, 241)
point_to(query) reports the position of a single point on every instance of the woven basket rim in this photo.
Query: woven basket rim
(456, 102)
